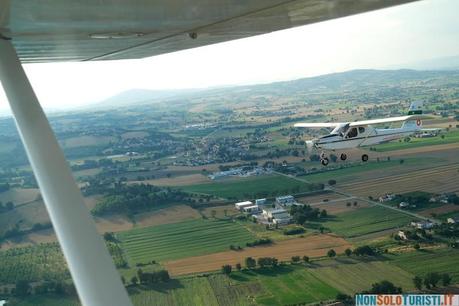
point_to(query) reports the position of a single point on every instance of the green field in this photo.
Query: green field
(351, 276)
(252, 187)
(424, 261)
(34, 263)
(450, 137)
(366, 221)
(287, 285)
(184, 239)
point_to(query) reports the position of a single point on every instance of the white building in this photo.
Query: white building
(287, 200)
(452, 220)
(404, 204)
(241, 205)
(402, 235)
(387, 197)
(260, 201)
(422, 224)
(277, 215)
(251, 209)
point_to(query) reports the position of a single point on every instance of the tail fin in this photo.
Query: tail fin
(416, 108)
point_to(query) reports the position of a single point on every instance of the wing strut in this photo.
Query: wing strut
(95, 277)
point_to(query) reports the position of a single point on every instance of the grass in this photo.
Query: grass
(351, 171)
(424, 261)
(351, 276)
(450, 137)
(45, 300)
(286, 285)
(184, 239)
(252, 187)
(365, 221)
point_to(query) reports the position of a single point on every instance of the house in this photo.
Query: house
(260, 201)
(277, 215)
(402, 235)
(287, 200)
(2, 302)
(422, 224)
(452, 220)
(403, 204)
(386, 197)
(241, 205)
(251, 209)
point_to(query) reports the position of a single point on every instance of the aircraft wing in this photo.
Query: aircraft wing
(388, 120)
(318, 125)
(82, 30)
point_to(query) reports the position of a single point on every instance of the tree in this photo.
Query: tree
(331, 182)
(250, 262)
(345, 299)
(331, 253)
(348, 252)
(445, 279)
(417, 281)
(226, 269)
(22, 288)
(385, 287)
(431, 279)
(134, 280)
(305, 259)
(417, 246)
(295, 259)
(238, 266)
(323, 213)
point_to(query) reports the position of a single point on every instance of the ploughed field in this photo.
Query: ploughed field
(184, 239)
(312, 246)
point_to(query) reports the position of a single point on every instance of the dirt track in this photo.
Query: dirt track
(312, 246)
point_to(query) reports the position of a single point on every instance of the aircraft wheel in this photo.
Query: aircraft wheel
(324, 161)
(343, 156)
(364, 157)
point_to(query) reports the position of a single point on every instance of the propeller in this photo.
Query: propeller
(310, 145)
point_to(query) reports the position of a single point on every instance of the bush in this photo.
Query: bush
(226, 269)
(259, 242)
(294, 231)
(331, 253)
(364, 250)
(295, 259)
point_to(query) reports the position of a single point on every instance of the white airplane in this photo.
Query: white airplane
(347, 135)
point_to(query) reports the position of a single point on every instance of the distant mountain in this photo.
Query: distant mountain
(363, 80)
(440, 63)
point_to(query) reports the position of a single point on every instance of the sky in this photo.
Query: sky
(404, 34)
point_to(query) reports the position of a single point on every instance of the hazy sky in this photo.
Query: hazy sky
(403, 34)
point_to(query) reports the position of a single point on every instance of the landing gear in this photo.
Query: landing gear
(343, 156)
(364, 158)
(324, 161)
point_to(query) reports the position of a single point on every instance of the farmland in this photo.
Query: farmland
(251, 187)
(351, 276)
(450, 137)
(422, 262)
(179, 240)
(34, 263)
(365, 221)
(312, 246)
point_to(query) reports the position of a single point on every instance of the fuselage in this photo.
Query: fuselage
(363, 136)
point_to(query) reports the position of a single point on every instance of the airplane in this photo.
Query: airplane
(349, 135)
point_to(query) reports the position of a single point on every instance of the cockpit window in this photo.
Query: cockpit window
(361, 129)
(352, 133)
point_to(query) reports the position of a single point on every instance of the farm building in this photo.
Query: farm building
(403, 204)
(402, 235)
(251, 209)
(241, 205)
(287, 200)
(422, 224)
(277, 215)
(386, 197)
(452, 220)
(260, 201)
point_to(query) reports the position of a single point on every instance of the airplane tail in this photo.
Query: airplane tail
(415, 109)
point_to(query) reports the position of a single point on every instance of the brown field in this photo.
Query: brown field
(312, 246)
(443, 209)
(220, 211)
(177, 181)
(316, 198)
(339, 206)
(19, 195)
(436, 180)
(113, 223)
(167, 215)
(84, 141)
